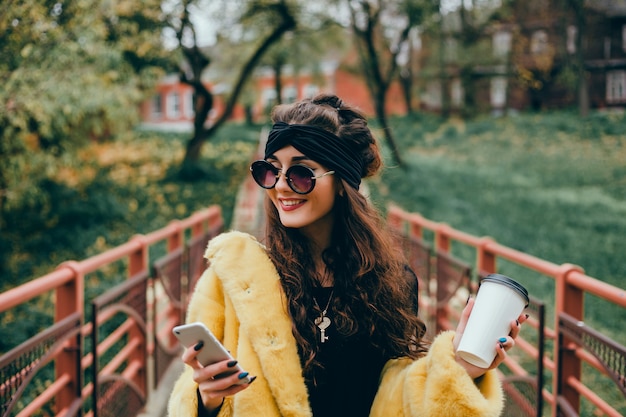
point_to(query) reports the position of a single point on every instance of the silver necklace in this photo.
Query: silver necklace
(323, 321)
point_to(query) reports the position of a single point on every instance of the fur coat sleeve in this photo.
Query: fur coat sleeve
(240, 299)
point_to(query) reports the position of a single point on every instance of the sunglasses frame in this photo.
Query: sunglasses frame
(287, 175)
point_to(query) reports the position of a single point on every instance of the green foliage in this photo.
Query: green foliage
(96, 198)
(71, 73)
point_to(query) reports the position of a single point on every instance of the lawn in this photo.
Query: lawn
(551, 185)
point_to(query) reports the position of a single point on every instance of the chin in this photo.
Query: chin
(293, 222)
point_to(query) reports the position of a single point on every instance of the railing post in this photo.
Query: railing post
(69, 300)
(570, 300)
(138, 262)
(394, 218)
(442, 239)
(485, 259)
(197, 228)
(416, 229)
(175, 240)
(442, 244)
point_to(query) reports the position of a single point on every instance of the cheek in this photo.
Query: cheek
(325, 199)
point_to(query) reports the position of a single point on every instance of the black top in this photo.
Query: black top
(348, 383)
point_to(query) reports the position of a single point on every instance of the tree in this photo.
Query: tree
(316, 40)
(474, 50)
(381, 28)
(70, 72)
(276, 17)
(578, 64)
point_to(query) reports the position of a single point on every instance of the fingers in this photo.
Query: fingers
(463, 322)
(217, 380)
(516, 325)
(465, 314)
(222, 384)
(190, 356)
(501, 352)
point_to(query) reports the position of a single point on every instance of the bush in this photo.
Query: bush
(97, 197)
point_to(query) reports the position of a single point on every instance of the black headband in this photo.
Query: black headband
(320, 145)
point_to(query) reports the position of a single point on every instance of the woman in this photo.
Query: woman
(324, 317)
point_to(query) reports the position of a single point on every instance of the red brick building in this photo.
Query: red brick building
(524, 61)
(172, 105)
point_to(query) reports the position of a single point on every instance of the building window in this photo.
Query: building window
(456, 93)
(616, 86)
(310, 90)
(539, 42)
(268, 98)
(451, 51)
(432, 99)
(498, 92)
(501, 43)
(157, 106)
(572, 34)
(188, 105)
(290, 94)
(173, 105)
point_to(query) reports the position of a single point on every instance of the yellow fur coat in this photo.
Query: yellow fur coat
(240, 299)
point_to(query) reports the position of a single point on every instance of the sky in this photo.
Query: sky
(206, 34)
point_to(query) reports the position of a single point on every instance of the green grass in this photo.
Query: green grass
(553, 186)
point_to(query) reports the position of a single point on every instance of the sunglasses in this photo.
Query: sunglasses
(300, 178)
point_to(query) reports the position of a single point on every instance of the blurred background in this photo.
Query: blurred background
(502, 118)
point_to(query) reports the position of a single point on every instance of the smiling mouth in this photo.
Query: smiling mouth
(291, 204)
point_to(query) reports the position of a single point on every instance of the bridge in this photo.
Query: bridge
(114, 354)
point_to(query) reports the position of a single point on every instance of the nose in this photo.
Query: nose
(282, 184)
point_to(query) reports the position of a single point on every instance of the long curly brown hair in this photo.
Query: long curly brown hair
(370, 276)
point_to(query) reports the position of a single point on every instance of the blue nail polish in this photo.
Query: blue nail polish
(242, 375)
(502, 340)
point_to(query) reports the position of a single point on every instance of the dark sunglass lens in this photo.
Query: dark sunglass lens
(263, 174)
(301, 179)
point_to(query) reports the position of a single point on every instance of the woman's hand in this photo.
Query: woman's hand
(502, 345)
(212, 388)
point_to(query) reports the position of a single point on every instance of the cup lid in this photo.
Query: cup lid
(503, 279)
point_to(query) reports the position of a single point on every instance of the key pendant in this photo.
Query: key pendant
(322, 322)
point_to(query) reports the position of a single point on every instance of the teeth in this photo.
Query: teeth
(290, 202)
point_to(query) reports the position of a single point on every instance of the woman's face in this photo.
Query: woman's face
(311, 212)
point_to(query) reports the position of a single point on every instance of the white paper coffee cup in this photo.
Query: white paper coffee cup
(499, 301)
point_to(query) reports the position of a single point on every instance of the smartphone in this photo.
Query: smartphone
(212, 351)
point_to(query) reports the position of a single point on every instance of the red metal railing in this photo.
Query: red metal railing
(576, 346)
(131, 322)
(117, 360)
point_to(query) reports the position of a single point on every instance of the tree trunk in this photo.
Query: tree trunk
(278, 82)
(194, 147)
(381, 115)
(583, 86)
(377, 83)
(406, 80)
